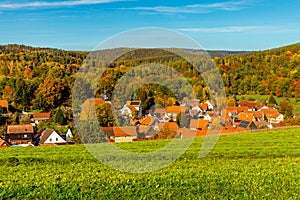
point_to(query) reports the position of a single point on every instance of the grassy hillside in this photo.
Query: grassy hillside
(244, 166)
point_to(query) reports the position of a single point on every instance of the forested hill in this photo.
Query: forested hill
(274, 71)
(42, 78)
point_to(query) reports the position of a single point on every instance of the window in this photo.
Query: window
(56, 139)
(50, 139)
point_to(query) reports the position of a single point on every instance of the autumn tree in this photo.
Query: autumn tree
(53, 91)
(104, 115)
(286, 108)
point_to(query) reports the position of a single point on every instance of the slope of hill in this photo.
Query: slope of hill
(244, 166)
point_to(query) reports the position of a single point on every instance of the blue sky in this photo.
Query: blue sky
(216, 24)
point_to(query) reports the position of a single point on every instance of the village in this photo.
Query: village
(189, 119)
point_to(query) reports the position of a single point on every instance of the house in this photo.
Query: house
(200, 126)
(3, 143)
(186, 133)
(247, 125)
(19, 134)
(207, 117)
(124, 134)
(204, 107)
(69, 135)
(273, 116)
(161, 114)
(209, 105)
(132, 108)
(246, 117)
(40, 116)
(145, 131)
(250, 105)
(51, 137)
(258, 115)
(262, 107)
(173, 111)
(149, 121)
(4, 105)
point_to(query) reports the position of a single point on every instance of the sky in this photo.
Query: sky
(215, 25)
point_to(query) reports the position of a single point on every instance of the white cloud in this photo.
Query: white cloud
(226, 29)
(197, 8)
(43, 4)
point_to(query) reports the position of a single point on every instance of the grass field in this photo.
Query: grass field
(263, 165)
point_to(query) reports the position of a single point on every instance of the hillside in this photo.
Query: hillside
(244, 166)
(274, 71)
(28, 74)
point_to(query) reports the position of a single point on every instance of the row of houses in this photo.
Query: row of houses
(24, 135)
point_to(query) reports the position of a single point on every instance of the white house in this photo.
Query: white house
(132, 108)
(51, 137)
(69, 135)
(209, 105)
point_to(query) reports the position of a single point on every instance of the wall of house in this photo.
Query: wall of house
(54, 138)
(124, 139)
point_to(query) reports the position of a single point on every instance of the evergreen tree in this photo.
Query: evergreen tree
(59, 117)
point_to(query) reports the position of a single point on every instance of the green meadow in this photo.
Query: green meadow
(260, 165)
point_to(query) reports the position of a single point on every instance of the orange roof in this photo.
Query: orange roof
(160, 110)
(26, 128)
(203, 106)
(248, 104)
(242, 108)
(93, 102)
(41, 115)
(258, 114)
(245, 116)
(125, 131)
(199, 124)
(148, 120)
(109, 131)
(176, 109)
(132, 108)
(4, 103)
(271, 113)
(187, 133)
(170, 125)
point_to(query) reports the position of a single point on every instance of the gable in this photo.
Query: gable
(54, 138)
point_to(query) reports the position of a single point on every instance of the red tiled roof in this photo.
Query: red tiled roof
(148, 120)
(26, 128)
(4, 103)
(125, 131)
(258, 114)
(245, 116)
(248, 104)
(199, 124)
(176, 109)
(203, 106)
(170, 125)
(187, 133)
(160, 110)
(109, 131)
(41, 115)
(242, 108)
(271, 113)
